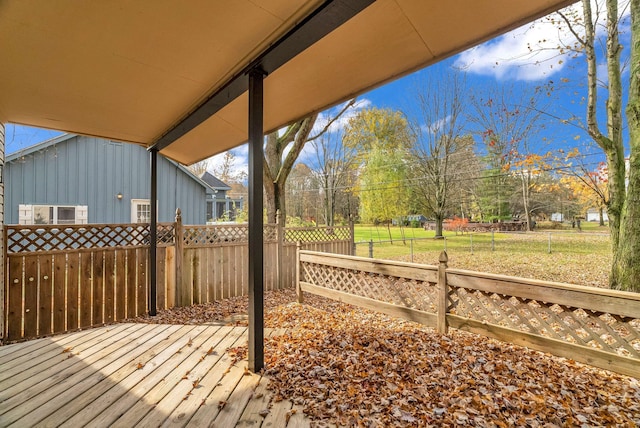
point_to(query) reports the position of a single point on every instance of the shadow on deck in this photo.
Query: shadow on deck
(137, 375)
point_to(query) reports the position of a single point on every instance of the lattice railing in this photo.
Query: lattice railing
(605, 331)
(317, 234)
(595, 326)
(410, 293)
(166, 233)
(38, 238)
(199, 236)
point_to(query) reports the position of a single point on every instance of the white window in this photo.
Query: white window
(140, 211)
(52, 214)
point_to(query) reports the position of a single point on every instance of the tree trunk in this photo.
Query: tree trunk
(439, 220)
(625, 273)
(601, 212)
(275, 201)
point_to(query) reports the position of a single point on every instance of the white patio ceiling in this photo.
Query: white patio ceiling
(133, 70)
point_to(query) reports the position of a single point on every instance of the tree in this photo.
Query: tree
(439, 126)
(335, 161)
(380, 139)
(199, 168)
(507, 119)
(381, 188)
(227, 172)
(588, 185)
(376, 127)
(301, 191)
(584, 29)
(281, 151)
(529, 168)
(625, 273)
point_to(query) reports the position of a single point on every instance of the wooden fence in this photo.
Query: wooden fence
(62, 278)
(595, 326)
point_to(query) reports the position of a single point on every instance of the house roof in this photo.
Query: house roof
(213, 181)
(174, 78)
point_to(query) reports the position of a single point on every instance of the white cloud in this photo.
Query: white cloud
(436, 126)
(530, 52)
(526, 53)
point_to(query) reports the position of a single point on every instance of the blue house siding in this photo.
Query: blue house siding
(79, 170)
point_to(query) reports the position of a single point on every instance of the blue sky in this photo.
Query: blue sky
(504, 60)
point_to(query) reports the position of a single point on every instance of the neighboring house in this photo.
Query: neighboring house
(220, 205)
(74, 179)
(593, 214)
(557, 217)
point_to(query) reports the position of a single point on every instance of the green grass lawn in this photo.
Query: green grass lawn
(575, 257)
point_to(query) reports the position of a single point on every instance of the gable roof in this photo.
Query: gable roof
(214, 182)
(65, 137)
(150, 72)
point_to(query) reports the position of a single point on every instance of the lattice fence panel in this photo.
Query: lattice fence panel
(608, 332)
(270, 232)
(199, 236)
(166, 233)
(415, 294)
(318, 234)
(53, 238)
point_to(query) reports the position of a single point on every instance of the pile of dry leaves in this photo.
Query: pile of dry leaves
(350, 366)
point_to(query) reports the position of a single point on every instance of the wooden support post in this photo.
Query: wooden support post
(256, 223)
(182, 298)
(279, 248)
(153, 234)
(298, 288)
(352, 235)
(3, 239)
(443, 294)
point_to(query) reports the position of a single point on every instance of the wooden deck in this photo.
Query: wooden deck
(137, 375)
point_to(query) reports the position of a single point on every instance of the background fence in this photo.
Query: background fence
(62, 278)
(478, 242)
(591, 325)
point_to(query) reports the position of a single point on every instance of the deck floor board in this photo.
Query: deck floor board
(137, 375)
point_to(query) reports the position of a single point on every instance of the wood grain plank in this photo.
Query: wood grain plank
(83, 408)
(211, 286)
(73, 269)
(139, 400)
(110, 297)
(86, 289)
(131, 282)
(385, 267)
(184, 413)
(28, 381)
(258, 405)
(30, 365)
(31, 283)
(14, 297)
(178, 388)
(45, 298)
(59, 293)
(142, 280)
(226, 275)
(36, 406)
(171, 277)
(161, 279)
(595, 299)
(98, 288)
(118, 385)
(217, 274)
